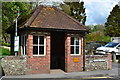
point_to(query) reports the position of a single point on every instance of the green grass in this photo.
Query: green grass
(4, 52)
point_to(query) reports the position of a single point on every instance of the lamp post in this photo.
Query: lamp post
(16, 39)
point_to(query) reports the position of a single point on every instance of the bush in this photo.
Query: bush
(119, 60)
(4, 52)
(6, 44)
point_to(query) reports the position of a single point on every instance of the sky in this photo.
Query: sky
(97, 11)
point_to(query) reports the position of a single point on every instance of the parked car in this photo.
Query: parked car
(111, 47)
(91, 47)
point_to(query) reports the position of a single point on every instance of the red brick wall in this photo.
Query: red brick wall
(38, 64)
(41, 64)
(30, 45)
(70, 64)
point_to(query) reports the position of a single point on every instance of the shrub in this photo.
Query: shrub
(119, 60)
(4, 51)
(6, 44)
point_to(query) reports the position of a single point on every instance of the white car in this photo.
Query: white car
(109, 48)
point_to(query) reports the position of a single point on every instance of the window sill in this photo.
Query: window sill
(39, 55)
(75, 54)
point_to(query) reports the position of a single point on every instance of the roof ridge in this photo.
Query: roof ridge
(70, 18)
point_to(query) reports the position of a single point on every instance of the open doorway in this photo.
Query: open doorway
(57, 50)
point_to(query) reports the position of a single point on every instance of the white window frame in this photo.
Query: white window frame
(76, 45)
(24, 46)
(40, 45)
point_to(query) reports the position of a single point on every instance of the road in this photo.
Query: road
(116, 66)
(93, 78)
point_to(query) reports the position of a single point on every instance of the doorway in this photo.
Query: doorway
(57, 50)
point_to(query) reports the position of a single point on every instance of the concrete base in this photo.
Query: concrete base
(56, 71)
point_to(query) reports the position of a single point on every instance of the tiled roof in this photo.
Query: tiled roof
(53, 18)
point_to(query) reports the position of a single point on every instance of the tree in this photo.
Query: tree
(76, 10)
(97, 33)
(66, 8)
(9, 14)
(113, 22)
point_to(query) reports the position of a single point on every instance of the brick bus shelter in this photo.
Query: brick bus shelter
(52, 40)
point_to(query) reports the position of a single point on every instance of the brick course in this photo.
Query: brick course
(30, 45)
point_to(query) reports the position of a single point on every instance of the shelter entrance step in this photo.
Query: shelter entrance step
(56, 71)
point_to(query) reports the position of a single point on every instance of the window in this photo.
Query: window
(119, 46)
(39, 45)
(111, 44)
(23, 44)
(75, 45)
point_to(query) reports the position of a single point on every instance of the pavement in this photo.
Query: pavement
(115, 71)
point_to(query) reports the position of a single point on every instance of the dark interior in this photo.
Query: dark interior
(57, 50)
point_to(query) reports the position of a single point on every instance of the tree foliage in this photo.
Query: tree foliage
(97, 34)
(113, 22)
(9, 13)
(76, 10)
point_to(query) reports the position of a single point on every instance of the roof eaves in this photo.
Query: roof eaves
(52, 29)
(56, 28)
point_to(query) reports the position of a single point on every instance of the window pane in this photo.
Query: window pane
(41, 38)
(72, 40)
(72, 49)
(35, 39)
(119, 46)
(41, 49)
(77, 41)
(77, 49)
(35, 49)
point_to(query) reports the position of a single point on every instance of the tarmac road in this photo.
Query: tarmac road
(93, 78)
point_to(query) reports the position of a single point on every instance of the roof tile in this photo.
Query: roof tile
(53, 18)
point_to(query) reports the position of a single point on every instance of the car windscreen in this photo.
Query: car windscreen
(111, 44)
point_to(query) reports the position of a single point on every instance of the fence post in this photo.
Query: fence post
(114, 57)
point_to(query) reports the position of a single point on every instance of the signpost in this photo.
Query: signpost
(16, 44)
(16, 39)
